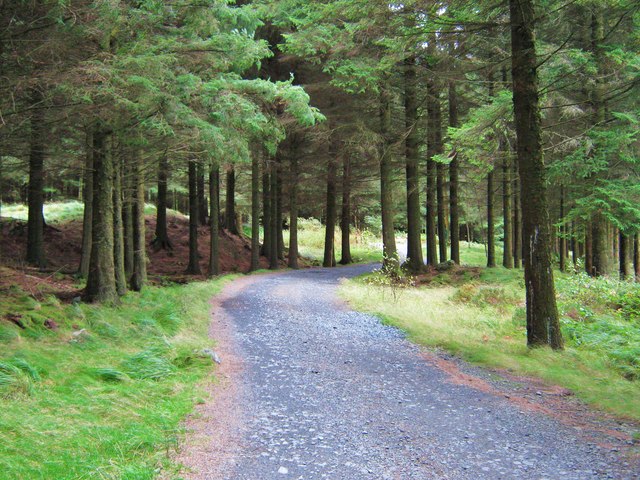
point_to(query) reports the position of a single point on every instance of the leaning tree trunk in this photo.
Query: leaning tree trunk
(389, 251)
(543, 327)
(293, 207)
(255, 212)
(87, 196)
(118, 229)
(345, 214)
(329, 259)
(414, 262)
(35, 221)
(194, 261)
(230, 205)
(454, 214)
(491, 237)
(214, 220)
(139, 276)
(101, 280)
(161, 240)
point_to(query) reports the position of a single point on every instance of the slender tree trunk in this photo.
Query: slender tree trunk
(273, 226)
(507, 213)
(345, 214)
(101, 280)
(414, 262)
(329, 259)
(278, 198)
(600, 246)
(389, 251)
(563, 234)
(203, 208)
(435, 135)
(230, 204)
(194, 261)
(266, 208)
(491, 237)
(35, 221)
(293, 207)
(118, 229)
(442, 213)
(636, 256)
(161, 240)
(214, 220)
(543, 327)
(454, 214)
(87, 195)
(255, 212)
(626, 264)
(588, 249)
(517, 219)
(139, 276)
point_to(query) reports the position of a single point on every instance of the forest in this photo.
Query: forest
(476, 163)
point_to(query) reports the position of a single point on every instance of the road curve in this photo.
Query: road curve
(324, 392)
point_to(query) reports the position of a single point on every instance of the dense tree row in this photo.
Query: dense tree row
(509, 124)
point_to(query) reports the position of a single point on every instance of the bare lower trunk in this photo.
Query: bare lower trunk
(255, 212)
(329, 259)
(507, 213)
(517, 219)
(626, 264)
(273, 217)
(194, 261)
(293, 208)
(636, 256)
(491, 236)
(230, 203)
(454, 215)
(161, 240)
(139, 276)
(87, 196)
(345, 214)
(390, 253)
(35, 221)
(543, 327)
(203, 208)
(266, 208)
(118, 229)
(214, 220)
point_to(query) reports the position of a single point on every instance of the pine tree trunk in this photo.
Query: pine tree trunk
(279, 232)
(574, 245)
(118, 229)
(161, 240)
(255, 212)
(454, 214)
(543, 327)
(636, 256)
(517, 219)
(588, 249)
(491, 237)
(194, 261)
(414, 262)
(389, 251)
(442, 213)
(139, 276)
(127, 212)
(203, 208)
(266, 208)
(293, 208)
(230, 204)
(214, 220)
(87, 196)
(626, 244)
(507, 213)
(329, 259)
(35, 221)
(435, 136)
(101, 280)
(600, 246)
(345, 214)
(273, 226)
(563, 234)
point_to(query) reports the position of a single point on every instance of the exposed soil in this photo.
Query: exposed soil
(63, 251)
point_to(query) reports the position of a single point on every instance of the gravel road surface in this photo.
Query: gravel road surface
(324, 392)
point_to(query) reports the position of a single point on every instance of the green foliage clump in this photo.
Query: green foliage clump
(17, 378)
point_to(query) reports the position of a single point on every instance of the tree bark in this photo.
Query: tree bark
(517, 219)
(214, 220)
(118, 229)
(588, 249)
(139, 276)
(266, 208)
(293, 207)
(278, 198)
(563, 234)
(389, 251)
(161, 240)
(601, 263)
(329, 259)
(194, 261)
(203, 208)
(230, 205)
(626, 264)
(491, 237)
(101, 281)
(543, 327)
(507, 213)
(345, 214)
(87, 196)
(454, 214)
(255, 212)
(273, 217)
(35, 221)
(636, 256)
(414, 262)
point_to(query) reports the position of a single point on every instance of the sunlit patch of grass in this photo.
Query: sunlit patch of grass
(484, 322)
(104, 395)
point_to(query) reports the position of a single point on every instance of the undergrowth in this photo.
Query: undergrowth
(102, 394)
(483, 320)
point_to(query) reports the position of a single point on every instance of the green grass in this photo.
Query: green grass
(61, 212)
(107, 403)
(483, 321)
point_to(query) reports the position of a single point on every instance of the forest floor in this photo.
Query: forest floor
(312, 389)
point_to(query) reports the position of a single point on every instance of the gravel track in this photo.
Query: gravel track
(328, 393)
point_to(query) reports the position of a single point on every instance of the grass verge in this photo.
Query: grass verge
(103, 394)
(482, 320)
